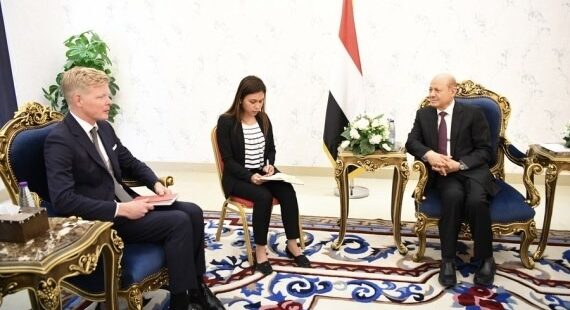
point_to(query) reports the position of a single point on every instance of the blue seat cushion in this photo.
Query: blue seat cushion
(508, 206)
(139, 261)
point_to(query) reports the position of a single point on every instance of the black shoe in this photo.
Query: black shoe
(301, 260)
(264, 268)
(209, 300)
(195, 306)
(485, 275)
(180, 301)
(447, 277)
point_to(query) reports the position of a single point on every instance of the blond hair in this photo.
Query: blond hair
(78, 78)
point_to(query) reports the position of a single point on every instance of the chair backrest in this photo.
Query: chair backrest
(217, 156)
(497, 110)
(22, 150)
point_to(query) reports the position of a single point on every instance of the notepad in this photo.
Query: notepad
(283, 177)
(157, 200)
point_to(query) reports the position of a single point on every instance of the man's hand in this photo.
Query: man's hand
(161, 190)
(256, 179)
(442, 164)
(134, 209)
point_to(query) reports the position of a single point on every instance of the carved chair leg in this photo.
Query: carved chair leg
(421, 233)
(221, 222)
(246, 237)
(301, 235)
(526, 240)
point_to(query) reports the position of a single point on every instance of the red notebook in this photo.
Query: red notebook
(157, 200)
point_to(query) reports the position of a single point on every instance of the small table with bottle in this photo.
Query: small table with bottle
(398, 159)
(39, 258)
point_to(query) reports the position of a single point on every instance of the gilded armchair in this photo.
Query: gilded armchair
(511, 212)
(143, 265)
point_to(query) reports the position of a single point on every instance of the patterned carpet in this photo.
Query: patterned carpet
(368, 272)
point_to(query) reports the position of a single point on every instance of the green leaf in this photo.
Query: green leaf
(88, 50)
(366, 148)
(58, 78)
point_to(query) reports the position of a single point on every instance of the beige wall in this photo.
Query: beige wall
(178, 63)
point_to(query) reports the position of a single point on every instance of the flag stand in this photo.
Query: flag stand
(354, 191)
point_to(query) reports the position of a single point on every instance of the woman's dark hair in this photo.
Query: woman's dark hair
(249, 85)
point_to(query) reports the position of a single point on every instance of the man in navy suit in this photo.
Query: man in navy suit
(85, 163)
(454, 140)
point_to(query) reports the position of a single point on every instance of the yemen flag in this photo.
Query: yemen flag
(346, 95)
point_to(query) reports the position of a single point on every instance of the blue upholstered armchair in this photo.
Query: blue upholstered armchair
(511, 212)
(22, 159)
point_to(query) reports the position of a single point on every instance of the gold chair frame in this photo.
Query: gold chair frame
(469, 89)
(237, 207)
(34, 115)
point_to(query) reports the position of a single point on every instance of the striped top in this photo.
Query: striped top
(254, 146)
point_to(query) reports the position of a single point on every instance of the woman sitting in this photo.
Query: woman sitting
(245, 139)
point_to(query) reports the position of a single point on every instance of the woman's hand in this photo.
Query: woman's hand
(269, 170)
(256, 179)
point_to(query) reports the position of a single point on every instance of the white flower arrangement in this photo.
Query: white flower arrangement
(367, 134)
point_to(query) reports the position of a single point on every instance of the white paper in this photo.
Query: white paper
(283, 177)
(556, 147)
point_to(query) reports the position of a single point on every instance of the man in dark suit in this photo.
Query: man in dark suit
(85, 163)
(454, 140)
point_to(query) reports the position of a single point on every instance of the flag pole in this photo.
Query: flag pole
(355, 191)
(346, 96)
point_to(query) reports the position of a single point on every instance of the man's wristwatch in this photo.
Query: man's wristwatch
(462, 166)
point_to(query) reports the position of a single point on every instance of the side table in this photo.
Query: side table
(70, 247)
(554, 162)
(371, 163)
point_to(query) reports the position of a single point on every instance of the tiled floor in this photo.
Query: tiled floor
(316, 198)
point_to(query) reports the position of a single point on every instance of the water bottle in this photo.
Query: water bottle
(25, 199)
(392, 132)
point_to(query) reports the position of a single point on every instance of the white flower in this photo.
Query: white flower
(376, 123)
(354, 133)
(386, 147)
(375, 139)
(385, 135)
(362, 123)
(384, 123)
(344, 144)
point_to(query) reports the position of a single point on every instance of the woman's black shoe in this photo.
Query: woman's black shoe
(264, 268)
(301, 260)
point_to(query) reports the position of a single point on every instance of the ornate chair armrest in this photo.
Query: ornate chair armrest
(530, 170)
(166, 181)
(513, 153)
(37, 199)
(418, 194)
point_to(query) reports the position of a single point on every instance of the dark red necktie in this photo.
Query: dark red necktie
(442, 132)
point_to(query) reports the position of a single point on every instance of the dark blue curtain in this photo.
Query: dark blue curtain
(8, 103)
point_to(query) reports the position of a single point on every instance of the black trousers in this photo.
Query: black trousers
(180, 229)
(464, 198)
(262, 196)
